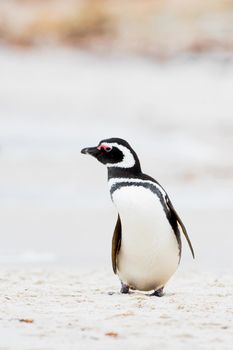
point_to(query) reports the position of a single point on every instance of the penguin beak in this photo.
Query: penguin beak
(92, 151)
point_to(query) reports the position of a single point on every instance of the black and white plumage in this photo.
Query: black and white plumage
(146, 244)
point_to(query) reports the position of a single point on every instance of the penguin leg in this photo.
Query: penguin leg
(157, 293)
(124, 288)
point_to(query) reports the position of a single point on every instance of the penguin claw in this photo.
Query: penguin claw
(124, 288)
(157, 293)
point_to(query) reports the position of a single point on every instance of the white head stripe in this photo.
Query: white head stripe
(128, 160)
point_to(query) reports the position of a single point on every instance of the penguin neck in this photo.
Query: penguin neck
(134, 172)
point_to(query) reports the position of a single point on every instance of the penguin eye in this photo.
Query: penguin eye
(104, 148)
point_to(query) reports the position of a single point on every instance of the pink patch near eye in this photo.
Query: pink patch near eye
(104, 147)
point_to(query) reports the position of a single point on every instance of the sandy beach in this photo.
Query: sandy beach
(56, 216)
(70, 309)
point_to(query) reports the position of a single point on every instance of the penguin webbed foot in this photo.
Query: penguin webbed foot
(124, 288)
(157, 293)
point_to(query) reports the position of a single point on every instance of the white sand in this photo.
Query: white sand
(73, 310)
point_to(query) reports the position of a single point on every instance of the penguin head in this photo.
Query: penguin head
(114, 153)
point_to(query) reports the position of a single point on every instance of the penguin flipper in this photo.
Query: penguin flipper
(116, 243)
(178, 219)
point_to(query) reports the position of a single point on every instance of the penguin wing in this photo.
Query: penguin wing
(179, 221)
(116, 243)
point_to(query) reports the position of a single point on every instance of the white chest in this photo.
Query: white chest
(149, 253)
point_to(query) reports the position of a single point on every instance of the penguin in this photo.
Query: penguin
(146, 243)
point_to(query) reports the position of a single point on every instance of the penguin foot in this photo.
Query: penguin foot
(124, 288)
(157, 293)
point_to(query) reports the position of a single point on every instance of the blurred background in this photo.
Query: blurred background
(158, 73)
